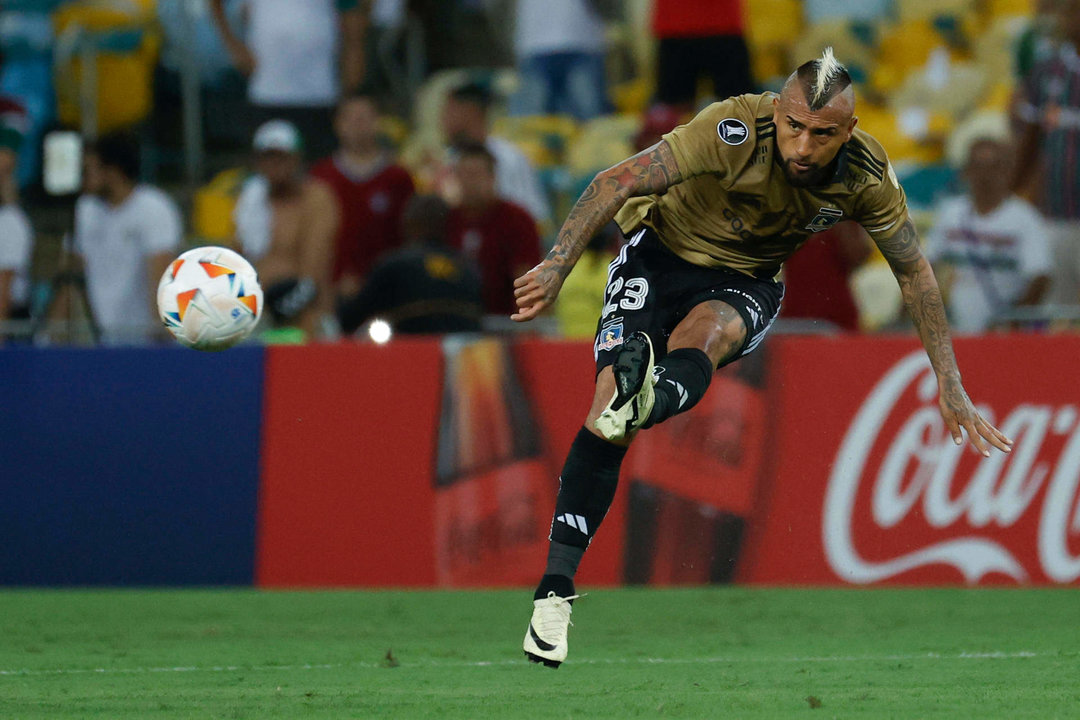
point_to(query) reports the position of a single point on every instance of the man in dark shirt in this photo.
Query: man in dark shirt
(425, 287)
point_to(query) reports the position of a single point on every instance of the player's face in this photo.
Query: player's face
(807, 140)
(357, 124)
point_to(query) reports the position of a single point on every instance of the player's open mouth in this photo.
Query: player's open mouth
(803, 167)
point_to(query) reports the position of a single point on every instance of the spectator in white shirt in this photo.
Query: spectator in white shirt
(990, 248)
(126, 233)
(16, 235)
(300, 56)
(465, 121)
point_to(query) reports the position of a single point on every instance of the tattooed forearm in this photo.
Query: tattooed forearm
(922, 297)
(651, 171)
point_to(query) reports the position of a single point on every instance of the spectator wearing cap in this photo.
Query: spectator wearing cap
(371, 190)
(425, 286)
(300, 57)
(1049, 113)
(495, 235)
(286, 222)
(126, 233)
(465, 120)
(16, 234)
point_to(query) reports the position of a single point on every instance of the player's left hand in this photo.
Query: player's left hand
(536, 290)
(958, 412)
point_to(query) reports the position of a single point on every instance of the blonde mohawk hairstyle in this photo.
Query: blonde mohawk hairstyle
(822, 79)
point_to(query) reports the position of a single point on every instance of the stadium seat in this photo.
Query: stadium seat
(212, 207)
(773, 22)
(544, 138)
(126, 48)
(995, 9)
(852, 47)
(916, 10)
(602, 143)
(926, 185)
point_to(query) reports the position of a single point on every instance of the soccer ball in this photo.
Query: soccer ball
(210, 298)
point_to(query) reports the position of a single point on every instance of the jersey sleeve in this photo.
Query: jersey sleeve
(883, 209)
(717, 141)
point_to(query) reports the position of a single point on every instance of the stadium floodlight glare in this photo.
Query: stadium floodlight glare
(380, 331)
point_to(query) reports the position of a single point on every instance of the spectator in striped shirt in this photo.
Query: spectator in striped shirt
(1049, 111)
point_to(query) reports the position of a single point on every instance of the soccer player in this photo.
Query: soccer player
(712, 212)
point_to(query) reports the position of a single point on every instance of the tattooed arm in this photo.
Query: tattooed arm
(922, 298)
(651, 171)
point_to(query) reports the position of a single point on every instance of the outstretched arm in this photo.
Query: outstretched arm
(653, 170)
(922, 297)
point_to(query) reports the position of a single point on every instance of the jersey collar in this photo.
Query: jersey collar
(841, 165)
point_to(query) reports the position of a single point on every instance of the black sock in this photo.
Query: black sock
(563, 559)
(685, 375)
(586, 489)
(561, 585)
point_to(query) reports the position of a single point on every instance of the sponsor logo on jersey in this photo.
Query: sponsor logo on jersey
(825, 219)
(732, 131)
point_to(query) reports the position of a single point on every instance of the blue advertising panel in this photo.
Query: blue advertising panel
(133, 466)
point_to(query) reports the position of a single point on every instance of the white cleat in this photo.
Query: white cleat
(634, 396)
(545, 640)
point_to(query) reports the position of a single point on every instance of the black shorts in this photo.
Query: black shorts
(652, 289)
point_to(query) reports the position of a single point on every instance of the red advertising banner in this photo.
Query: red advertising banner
(866, 485)
(348, 449)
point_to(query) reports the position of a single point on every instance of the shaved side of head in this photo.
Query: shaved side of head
(821, 80)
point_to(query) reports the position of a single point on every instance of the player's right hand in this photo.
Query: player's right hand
(536, 290)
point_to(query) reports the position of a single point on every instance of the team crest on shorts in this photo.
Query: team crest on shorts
(610, 337)
(732, 131)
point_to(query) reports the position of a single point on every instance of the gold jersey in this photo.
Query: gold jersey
(735, 207)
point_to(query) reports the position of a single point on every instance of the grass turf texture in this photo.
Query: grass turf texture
(694, 653)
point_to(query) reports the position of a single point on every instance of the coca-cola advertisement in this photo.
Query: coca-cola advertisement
(867, 486)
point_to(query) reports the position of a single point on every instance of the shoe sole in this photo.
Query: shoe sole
(542, 660)
(631, 370)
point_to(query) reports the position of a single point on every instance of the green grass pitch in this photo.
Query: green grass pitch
(686, 653)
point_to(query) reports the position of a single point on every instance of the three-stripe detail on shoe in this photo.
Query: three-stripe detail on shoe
(575, 521)
(545, 646)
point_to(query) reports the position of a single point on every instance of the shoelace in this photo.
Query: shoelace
(553, 624)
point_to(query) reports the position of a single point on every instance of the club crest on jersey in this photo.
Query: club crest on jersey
(732, 131)
(825, 219)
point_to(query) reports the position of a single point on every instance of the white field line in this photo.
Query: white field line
(996, 655)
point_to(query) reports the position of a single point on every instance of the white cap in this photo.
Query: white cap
(277, 135)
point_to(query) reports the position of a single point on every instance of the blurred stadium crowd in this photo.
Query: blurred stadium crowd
(407, 159)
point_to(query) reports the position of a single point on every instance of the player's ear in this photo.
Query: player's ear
(851, 127)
